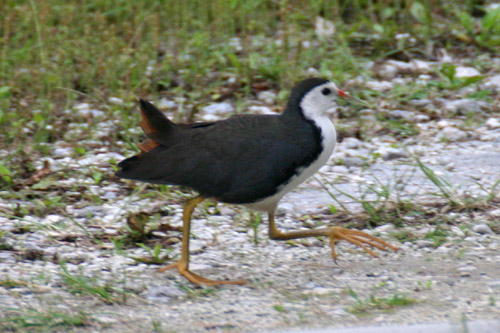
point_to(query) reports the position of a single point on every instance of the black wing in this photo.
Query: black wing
(238, 160)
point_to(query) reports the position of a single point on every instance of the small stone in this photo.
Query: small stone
(493, 123)
(165, 104)
(424, 243)
(74, 257)
(443, 56)
(461, 106)
(321, 291)
(210, 117)
(443, 249)
(50, 219)
(420, 66)
(81, 106)
(482, 229)
(324, 28)
(115, 101)
(492, 83)
(257, 109)
(381, 86)
(63, 152)
(424, 77)
(267, 97)
(467, 268)
(91, 113)
(284, 208)
(443, 124)
(403, 67)
(385, 228)
(452, 134)
(388, 71)
(105, 320)
(109, 195)
(163, 292)
(90, 211)
(312, 71)
(402, 114)
(354, 162)
(420, 103)
(324, 169)
(218, 108)
(495, 213)
(391, 153)
(457, 231)
(420, 118)
(351, 143)
(339, 169)
(494, 284)
(464, 72)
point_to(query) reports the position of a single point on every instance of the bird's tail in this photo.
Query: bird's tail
(159, 131)
(157, 127)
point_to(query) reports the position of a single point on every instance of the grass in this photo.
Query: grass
(388, 202)
(155, 255)
(56, 52)
(380, 202)
(196, 292)
(365, 306)
(83, 285)
(24, 320)
(454, 199)
(254, 221)
(439, 236)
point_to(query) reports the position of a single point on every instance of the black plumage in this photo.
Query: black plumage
(238, 160)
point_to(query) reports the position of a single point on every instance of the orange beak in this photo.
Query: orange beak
(343, 94)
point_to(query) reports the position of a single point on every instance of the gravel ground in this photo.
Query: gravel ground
(289, 284)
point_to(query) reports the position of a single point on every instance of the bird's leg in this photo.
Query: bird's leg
(183, 264)
(356, 237)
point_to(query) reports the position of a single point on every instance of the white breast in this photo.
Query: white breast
(329, 138)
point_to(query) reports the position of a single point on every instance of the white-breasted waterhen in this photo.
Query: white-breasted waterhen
(251, 160)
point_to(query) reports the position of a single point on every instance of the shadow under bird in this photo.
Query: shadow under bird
(251, 160)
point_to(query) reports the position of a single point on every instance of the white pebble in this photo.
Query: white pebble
(463, 72)
(267, 97)
(257, 109)
(115, 100)
(482, 228)
(218, 108)
(492, 83)
(493, 123)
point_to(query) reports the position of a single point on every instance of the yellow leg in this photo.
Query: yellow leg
(183, 264)
(356, 237)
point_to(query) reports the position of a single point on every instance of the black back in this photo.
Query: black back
(238, 160)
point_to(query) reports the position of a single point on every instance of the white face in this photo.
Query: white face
(320, 99)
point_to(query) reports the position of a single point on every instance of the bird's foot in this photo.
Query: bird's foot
(195, 278)
(358, 238)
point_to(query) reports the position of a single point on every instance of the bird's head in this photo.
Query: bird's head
(315, 97)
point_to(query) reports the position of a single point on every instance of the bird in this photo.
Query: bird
(249, 160)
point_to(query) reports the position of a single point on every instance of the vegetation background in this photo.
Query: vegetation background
(55, 52)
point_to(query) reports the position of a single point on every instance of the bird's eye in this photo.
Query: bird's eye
(326, 91)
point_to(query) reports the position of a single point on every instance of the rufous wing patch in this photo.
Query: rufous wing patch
(147, 145)
(146, 125)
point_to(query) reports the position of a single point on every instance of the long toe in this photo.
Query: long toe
(358, 238)
(198, 279)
